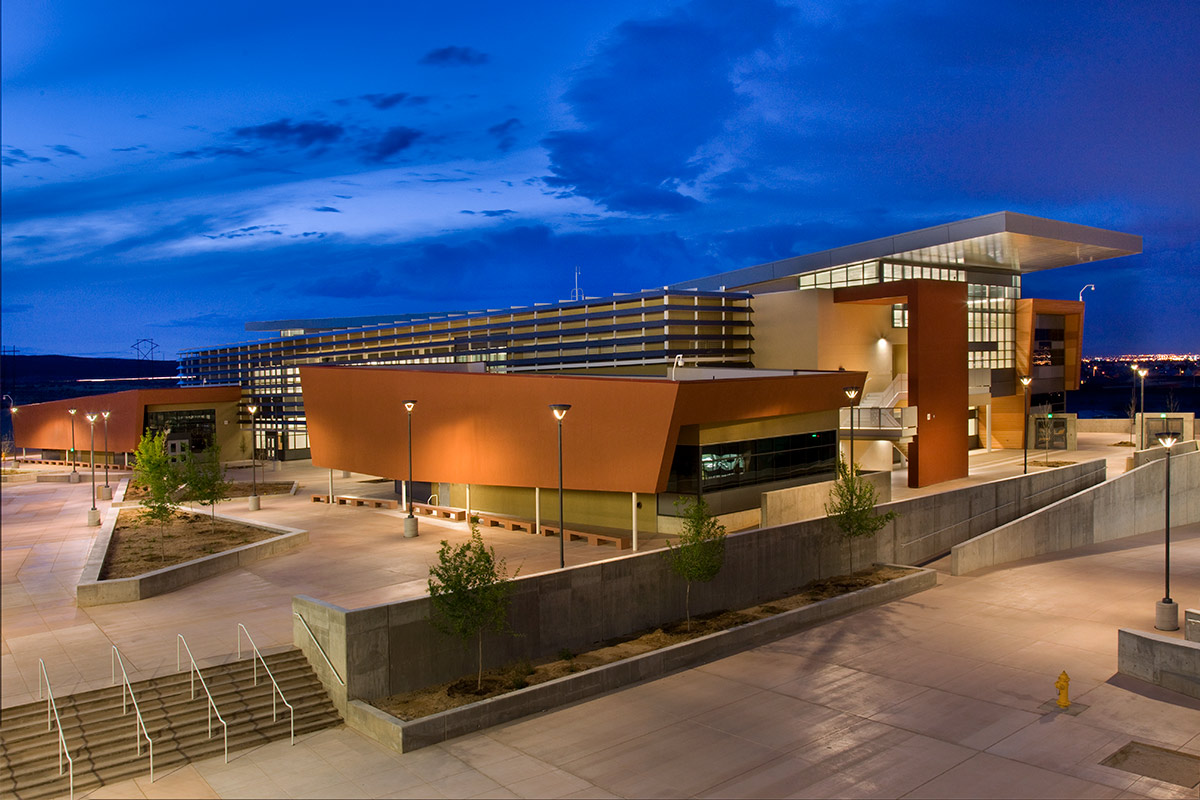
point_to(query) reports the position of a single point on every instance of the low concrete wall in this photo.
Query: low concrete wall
(1191, 624)
(91, 591)
(808, 501)
(1127, 505)
(387, 649)
(1170, 663)
(408, 736)
(1159, 453)
(1118, 427)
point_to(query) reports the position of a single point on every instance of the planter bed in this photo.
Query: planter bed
(408, 735)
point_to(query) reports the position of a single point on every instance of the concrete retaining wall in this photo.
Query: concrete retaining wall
(407, 736)
(808, 501)
(91, 591)
(1118, 427)
(1191, 624)
(1170, 663)
(387, 649)
(1127, 505)
(1159, 453)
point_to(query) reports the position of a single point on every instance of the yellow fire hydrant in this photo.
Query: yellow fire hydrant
(1061, 684)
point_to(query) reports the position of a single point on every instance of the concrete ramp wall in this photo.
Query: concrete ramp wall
(1127, 505)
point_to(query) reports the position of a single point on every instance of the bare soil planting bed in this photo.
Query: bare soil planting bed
(139, 547)
(236, 489)
(501, 680)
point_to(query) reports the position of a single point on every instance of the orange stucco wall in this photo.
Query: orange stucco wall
(937, 371)
(48, 425)
(497, 429)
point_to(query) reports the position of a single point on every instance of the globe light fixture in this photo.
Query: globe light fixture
(560, 410)
(851, 393)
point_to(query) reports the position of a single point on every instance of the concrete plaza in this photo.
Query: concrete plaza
(938, 695)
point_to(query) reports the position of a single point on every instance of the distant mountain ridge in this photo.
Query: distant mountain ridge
(38, 379)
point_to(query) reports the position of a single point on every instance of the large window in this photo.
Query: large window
(712, 467)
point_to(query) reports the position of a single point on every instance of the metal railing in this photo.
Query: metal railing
(139, 723)
(192, 675)
(62, 740)
(321, 649)
(433, 500)
(871, 418)
(258, 656)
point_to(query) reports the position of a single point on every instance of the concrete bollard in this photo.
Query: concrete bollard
(1166, 615)
(410, 527)
(254, 502)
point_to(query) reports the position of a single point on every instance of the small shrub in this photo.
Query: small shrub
(700, 553)
(565, 655)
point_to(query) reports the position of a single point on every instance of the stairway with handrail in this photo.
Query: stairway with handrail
(171, 715)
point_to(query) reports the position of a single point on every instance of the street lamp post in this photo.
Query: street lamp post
(410, 522)
(851, 393)
(560, 410)
(254, 501)
(74, 477)
(93, 513)
(1025, 381)
(1142, 371)
(106, 491)
(1166, 613)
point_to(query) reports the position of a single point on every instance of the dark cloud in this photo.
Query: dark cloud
(453, 55)
(505, 133)
(16, 308)
(303, 134)
(141, 116)
(130, 149)
(352, 285)
(497, 212)
(344, 196)
(244, 233)
(64, 150)
(215, 152)
(392, 141)
(328, 209)
(655, 94)
(14, 156)
(384, 101)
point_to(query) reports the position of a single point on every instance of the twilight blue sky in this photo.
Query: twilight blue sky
(171, 170)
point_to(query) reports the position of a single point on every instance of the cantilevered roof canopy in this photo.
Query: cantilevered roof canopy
(1001, 241)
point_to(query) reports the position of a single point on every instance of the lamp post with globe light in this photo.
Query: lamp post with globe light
(1142, 372)
(93, 513)
(560, 410)
(74, 476)
(410, 522)
(254, 501)
(851, 393)
(1166, 613)
(1025, 381)
(106, 490)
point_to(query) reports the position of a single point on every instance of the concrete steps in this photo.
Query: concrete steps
(101, 740)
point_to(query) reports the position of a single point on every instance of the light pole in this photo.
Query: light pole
(106, 494)
(1025, 381)
(560, 410)
(93, 513)
(12, 413)
(1166, 613)
(254, 501)
(1142, 371)
(1091, 286)
(851, 393)
(410, 522)
(74, 477)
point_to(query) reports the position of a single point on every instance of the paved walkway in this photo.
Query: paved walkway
(938, 695)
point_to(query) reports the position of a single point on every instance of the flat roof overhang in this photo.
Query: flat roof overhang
(1004, 241)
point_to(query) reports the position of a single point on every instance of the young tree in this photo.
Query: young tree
(206, 480)
(851, 504)
(162, 479)
(700, 552)
(470, 591)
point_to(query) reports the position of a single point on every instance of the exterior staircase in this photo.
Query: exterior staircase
(102, 741)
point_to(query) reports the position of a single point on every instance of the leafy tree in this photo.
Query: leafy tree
(700, 552)
(206, 480)
(470, 591)
(852, 502)
(162, 479)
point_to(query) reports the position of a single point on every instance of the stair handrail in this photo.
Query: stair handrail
(193, 673)
(139, 722)
(62, 740)
(258, 656)
(319, 648)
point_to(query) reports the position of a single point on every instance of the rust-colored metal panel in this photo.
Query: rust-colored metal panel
(48, 425)
(1072, 313)
(937, 371)
(497, 429)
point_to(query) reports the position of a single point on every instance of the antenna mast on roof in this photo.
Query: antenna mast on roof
(576, 293)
